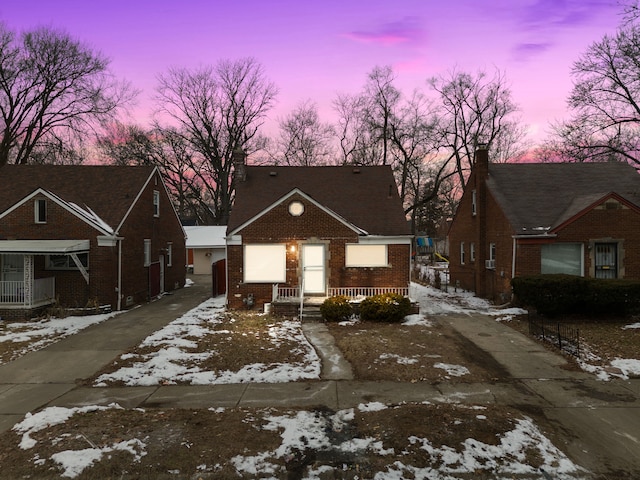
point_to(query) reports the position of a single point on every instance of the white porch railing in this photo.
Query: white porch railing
(355, 292)
(12, 292)
(15, 293)
(293, 293)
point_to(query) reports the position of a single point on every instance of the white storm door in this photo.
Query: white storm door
(313, 269)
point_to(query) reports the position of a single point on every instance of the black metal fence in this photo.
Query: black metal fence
(564, 337)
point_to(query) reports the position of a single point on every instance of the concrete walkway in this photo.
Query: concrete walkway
(600, 420)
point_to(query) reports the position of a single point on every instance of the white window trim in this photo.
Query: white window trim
(379, 253)
(472, 252)
(70, 263)
(36, 211)
(147, 252)
(474, 203)
(462, 260)
(492, 251)
(272, 259)
(169, 254)
(156, 203)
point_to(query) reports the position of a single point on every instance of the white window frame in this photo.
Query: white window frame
(366, 255)
(37, 210)
(265, 263)
(69, 263)
(492, 251)
(147, 252)
(547, 268)
(474, 203)
(169, 254)
(156, 203)
(462, 253)
(472, 252)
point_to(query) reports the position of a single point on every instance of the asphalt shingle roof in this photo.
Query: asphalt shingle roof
(108, 190)
(367, 197)
(538, 196)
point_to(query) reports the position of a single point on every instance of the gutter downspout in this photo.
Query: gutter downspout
(513, 259)
(119, 303)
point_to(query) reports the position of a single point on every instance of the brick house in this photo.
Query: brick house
(86, 235)
(537, 218)
(313, 232)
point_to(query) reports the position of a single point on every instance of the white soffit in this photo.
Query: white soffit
(56, 247)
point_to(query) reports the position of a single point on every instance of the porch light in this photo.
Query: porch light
(292, 249)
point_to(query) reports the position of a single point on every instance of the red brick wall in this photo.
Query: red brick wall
(468, 228)
(141, 225)
(71, 287)
(620, 226)
(313, 226)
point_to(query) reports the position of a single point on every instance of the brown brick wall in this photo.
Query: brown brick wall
(317, 227)
(621, 226)
(71, 287)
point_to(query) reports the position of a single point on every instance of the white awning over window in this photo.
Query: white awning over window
(41, 247)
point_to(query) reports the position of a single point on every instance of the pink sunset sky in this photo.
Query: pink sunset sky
(316, 49)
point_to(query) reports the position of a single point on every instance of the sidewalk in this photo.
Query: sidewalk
(38, 378)
(600, 419)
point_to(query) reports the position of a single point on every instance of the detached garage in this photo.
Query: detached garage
(205, 246)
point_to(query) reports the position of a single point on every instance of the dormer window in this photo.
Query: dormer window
(156, 203)
(40, 210)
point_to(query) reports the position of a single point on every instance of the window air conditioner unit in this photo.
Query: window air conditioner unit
(490, 264)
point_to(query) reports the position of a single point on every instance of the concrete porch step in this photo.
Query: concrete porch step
(311, 313)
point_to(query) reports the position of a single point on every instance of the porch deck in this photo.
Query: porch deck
(292, 294)
(286, 301)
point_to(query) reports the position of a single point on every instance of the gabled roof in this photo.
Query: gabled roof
(537, 197)
(102, 194)
(365, 197)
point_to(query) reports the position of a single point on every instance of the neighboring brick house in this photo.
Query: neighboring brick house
(537, 218)
(86, 235)
(331, 230)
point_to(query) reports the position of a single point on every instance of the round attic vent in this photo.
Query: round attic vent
(296, 208)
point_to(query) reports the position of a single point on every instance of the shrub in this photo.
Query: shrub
(336, 309)
(388, 307)
(562, 294)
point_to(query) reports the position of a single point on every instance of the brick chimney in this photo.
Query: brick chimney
(481, 161)
(481, 173)
(239, 160)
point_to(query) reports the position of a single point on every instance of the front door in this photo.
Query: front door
(606, 260)
(313, 269)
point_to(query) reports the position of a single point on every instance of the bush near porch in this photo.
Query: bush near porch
(387, 307)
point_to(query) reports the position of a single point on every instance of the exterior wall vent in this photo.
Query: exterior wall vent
(273, 174)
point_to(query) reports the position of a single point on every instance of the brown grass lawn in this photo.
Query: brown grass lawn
(196, 444)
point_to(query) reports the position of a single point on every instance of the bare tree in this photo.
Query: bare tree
(474, 109)
(304, 139)
(168, 150)
(605, 102)
(382, 99)
(51, 86)
(217, 110)
(358, 145)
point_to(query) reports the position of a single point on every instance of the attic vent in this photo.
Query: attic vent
(356, 170)
(273, 174)
(612, 205)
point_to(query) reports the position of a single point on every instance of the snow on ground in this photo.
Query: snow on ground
(172, 362)
(38, 334)
(303, 430)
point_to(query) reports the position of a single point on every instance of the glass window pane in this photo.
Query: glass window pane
(562, 258)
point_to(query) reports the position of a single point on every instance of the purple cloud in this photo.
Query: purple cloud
(552, 14)
(524, 51)
(407, 30)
